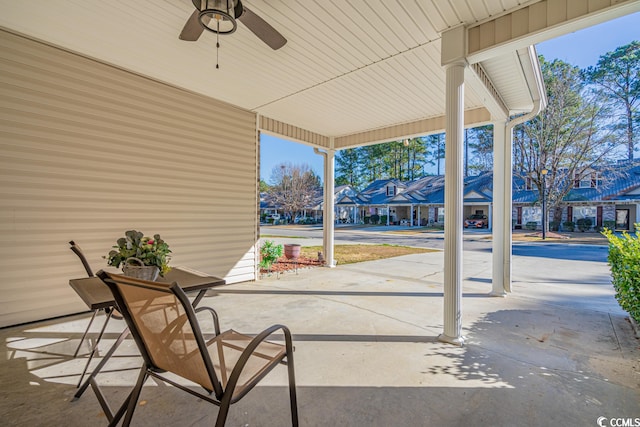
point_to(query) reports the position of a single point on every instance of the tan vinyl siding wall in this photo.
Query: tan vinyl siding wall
(88, 151)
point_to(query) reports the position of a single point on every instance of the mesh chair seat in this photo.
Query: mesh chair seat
(225, 351)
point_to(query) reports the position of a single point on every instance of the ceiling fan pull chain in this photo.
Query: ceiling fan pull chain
(218, 47)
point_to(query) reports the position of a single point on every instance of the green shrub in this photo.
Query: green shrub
(554, 225)
(584, 224)
(375, 219)
(269, 254)
(531, 225)
(569, 225)
(367, 219)
(624, 260)
(383, 219)
(611, 225)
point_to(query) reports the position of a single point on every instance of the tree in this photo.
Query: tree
(434, 146)
(372, 162)
(481, 145)
(348, 168)
(404, 160)
(264, 187)
(295, 187)
(617, 75)
(565, 138)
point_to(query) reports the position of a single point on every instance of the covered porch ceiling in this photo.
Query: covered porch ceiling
(348, 67)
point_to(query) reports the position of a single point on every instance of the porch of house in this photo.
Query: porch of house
(558, 351)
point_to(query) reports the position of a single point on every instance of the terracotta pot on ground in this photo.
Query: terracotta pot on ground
(292, 251)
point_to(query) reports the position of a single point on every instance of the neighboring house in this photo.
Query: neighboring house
(313, 211)
(419, 202)
(609, 197)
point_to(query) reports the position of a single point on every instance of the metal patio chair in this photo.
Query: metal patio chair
(227, 365)
(109, 312)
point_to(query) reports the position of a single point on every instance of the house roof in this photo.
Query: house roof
(617, 184)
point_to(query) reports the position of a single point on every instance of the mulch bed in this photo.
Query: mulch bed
(284, 264)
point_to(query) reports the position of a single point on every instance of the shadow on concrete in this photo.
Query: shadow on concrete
(520, 367)
(340, 293)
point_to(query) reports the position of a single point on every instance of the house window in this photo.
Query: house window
(529, 183)
(391, 190)
(622, 219)
(587, 180)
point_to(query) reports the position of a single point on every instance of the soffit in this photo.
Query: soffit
(348, 66)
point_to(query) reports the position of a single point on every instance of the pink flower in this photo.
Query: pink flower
(150, 242)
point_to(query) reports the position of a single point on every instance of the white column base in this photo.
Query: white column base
(498, 294)
(459, 341)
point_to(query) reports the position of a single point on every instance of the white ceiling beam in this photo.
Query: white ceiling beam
(538, 22)
(477, 79)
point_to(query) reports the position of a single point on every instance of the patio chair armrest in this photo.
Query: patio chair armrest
(214, 315)
(253, 345)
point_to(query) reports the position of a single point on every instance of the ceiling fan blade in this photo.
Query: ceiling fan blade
(192, 28)
(262, 29)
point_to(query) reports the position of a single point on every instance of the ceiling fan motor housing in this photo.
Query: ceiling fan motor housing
(219, 16)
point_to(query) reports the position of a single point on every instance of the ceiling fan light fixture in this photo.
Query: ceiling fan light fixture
(219, 16)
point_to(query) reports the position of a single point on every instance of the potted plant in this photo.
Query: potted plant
(135, 247)
(269, 254)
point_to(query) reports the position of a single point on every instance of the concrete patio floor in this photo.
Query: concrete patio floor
(557, 351)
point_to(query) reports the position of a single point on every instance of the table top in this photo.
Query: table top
(96, 294)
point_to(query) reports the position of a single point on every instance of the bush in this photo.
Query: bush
(269, 254)
(584, 224)
(375, 219)
(531, 225)
(367, 219)
(383, 219)
(624, 259)
(569, 225)
(611, 225)
(554, 225)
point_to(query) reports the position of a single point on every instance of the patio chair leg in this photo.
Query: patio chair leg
(95, 347)
(131, 401)
(86, 331)
(222, 414)
(292, 379)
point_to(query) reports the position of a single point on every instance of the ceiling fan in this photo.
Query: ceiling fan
(219, 16)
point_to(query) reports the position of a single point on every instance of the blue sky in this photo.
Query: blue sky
(582, 48)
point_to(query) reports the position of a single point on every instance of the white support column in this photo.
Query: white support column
(388, 215)
(329, 204)
(454, 185)
(507, 244)
(490, 217)
(419, 216)
(500, 166)
(328, 208)
(411, 207)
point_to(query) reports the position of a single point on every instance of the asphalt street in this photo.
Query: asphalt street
(474, 240)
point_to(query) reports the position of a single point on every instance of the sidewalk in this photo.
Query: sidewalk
(557, 351)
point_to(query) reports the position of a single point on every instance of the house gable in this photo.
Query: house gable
(475, 195)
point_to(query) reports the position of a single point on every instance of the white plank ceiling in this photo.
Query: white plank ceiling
(348, 66)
